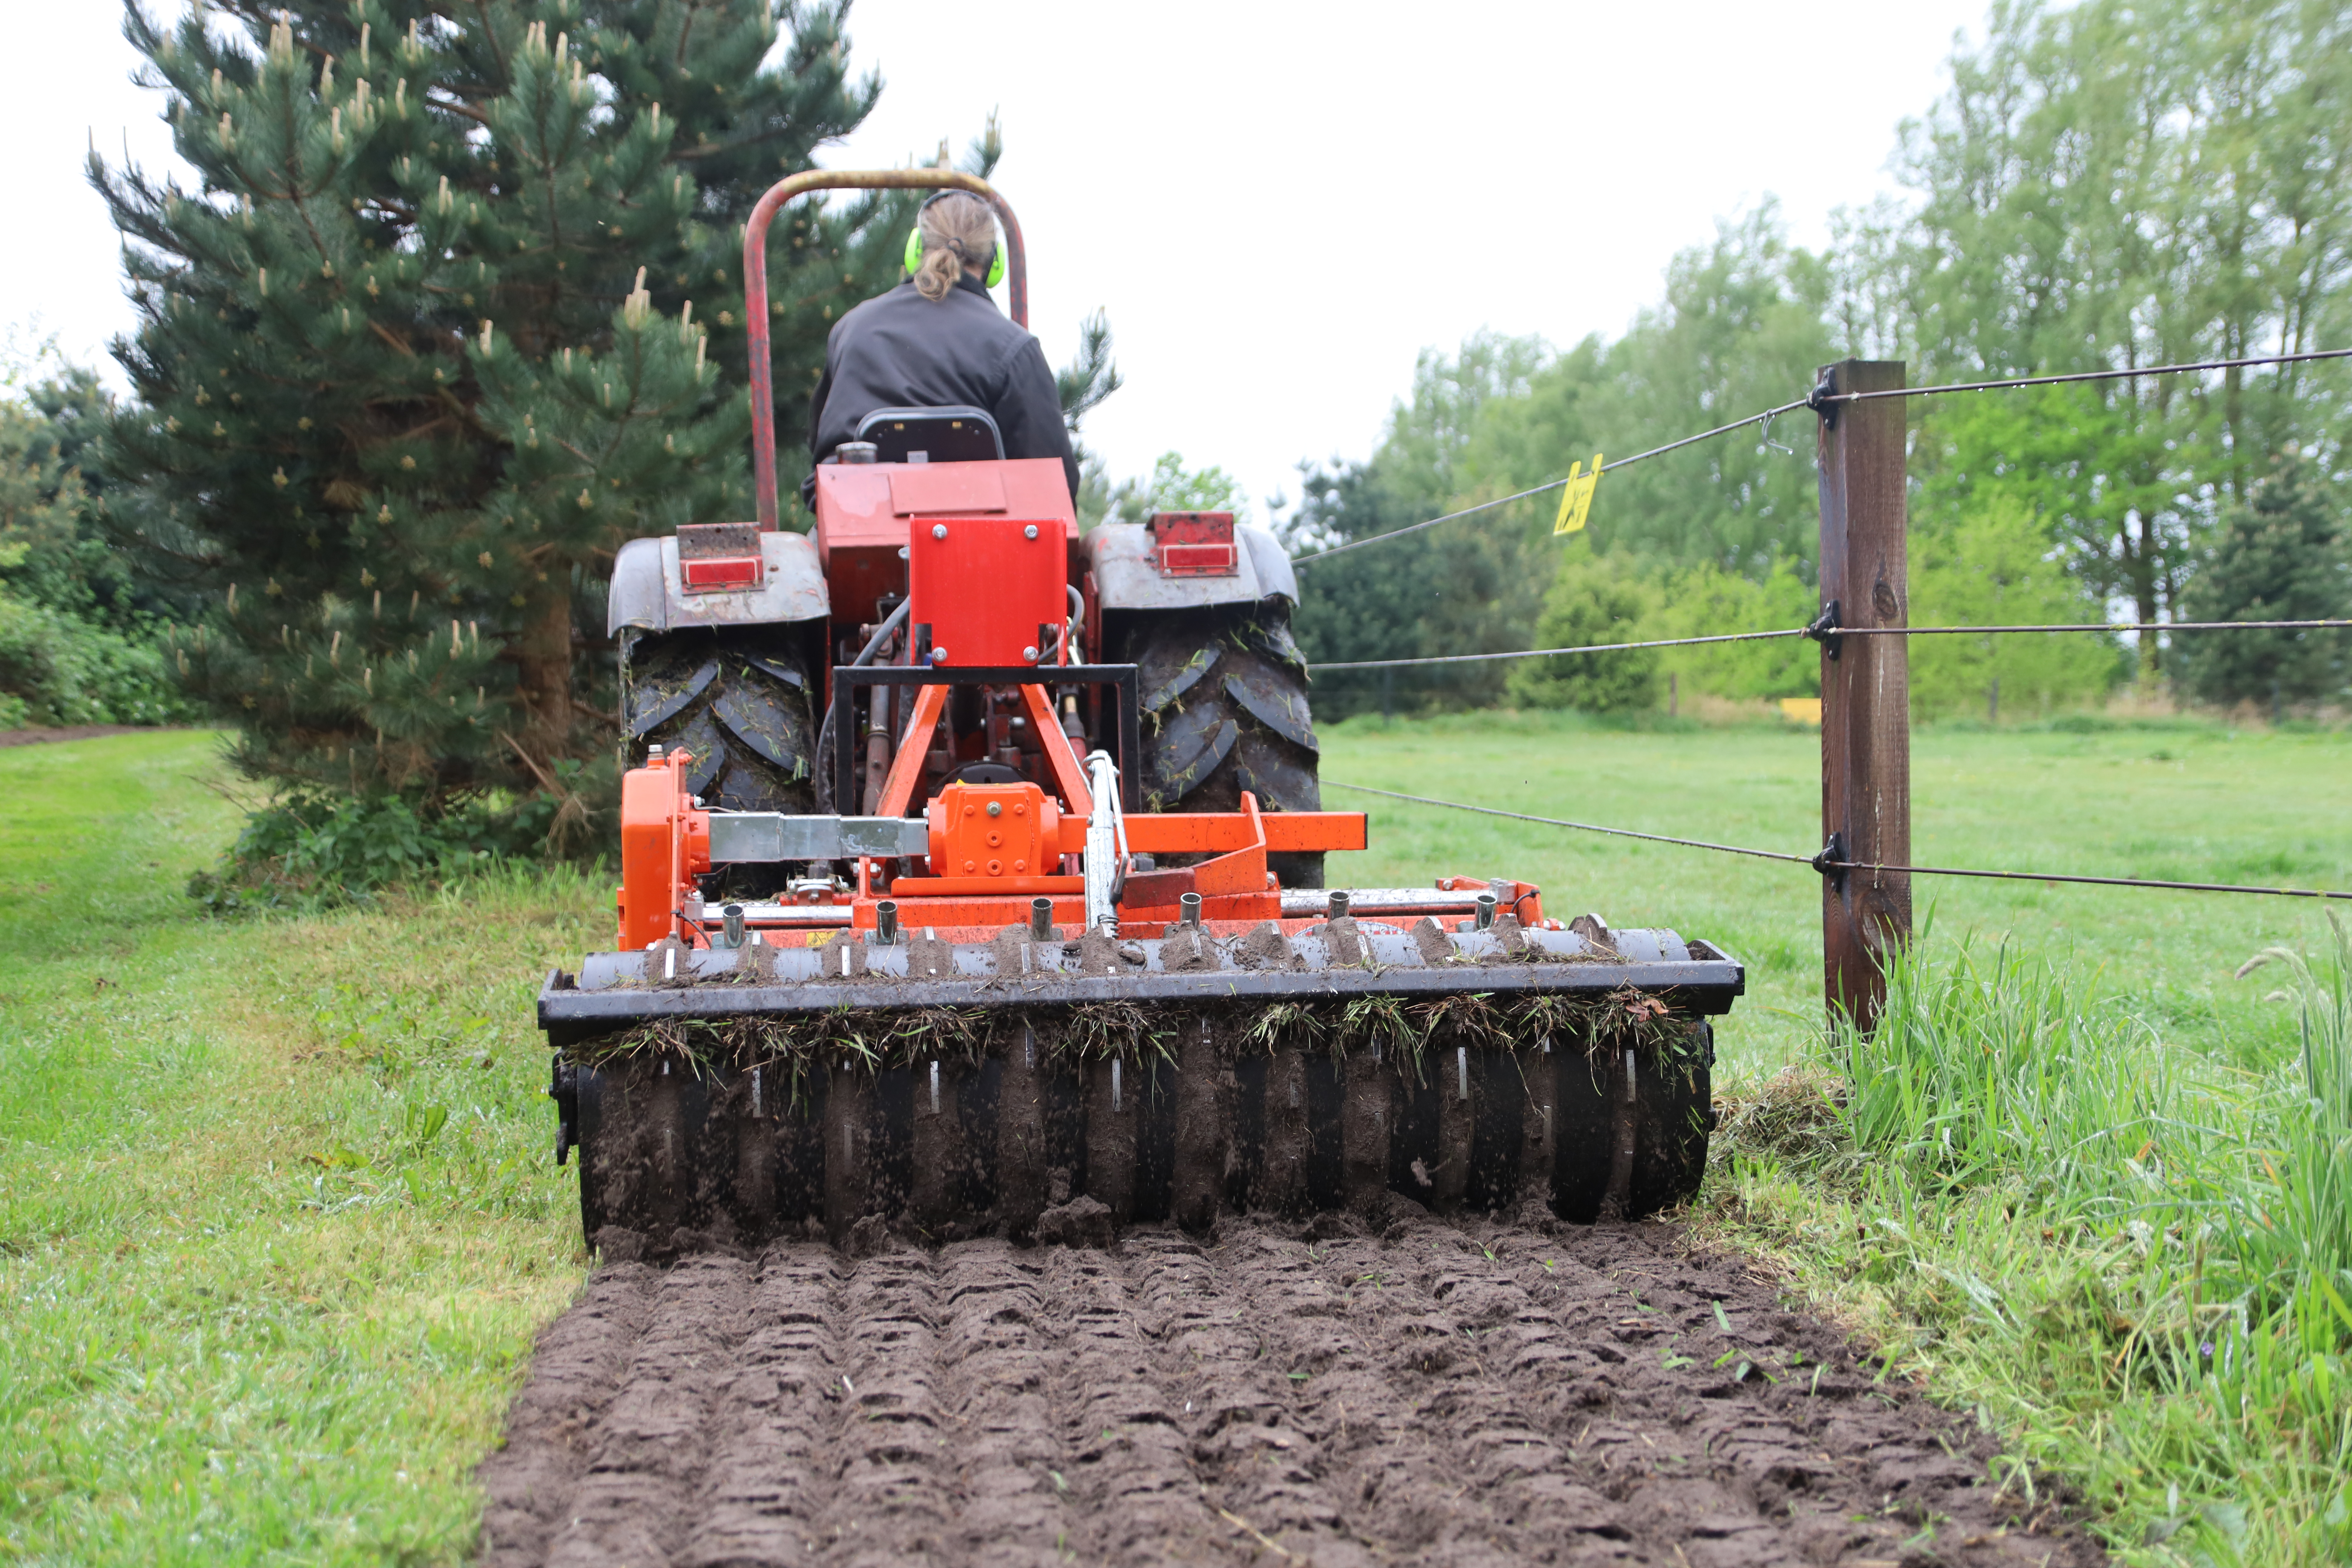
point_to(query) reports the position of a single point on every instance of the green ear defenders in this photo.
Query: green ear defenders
(915, 244)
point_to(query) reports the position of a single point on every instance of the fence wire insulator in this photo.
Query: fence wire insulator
(1830, 861)
(1821, 399)
(1823, 628)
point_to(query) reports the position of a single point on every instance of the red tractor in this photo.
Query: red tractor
(731, 633)
(946, 758)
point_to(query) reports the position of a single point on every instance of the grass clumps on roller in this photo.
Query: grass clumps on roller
(1386, 1027)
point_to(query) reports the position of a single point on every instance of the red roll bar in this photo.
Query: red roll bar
(755, 287)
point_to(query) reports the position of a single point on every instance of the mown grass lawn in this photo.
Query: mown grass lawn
(279, 1223)
(2176, 800)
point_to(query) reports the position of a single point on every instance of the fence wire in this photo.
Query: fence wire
(1826, 864)
(1820, 631)
(1764, 417)
(1821, 399)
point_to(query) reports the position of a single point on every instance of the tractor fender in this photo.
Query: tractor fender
(648, 593)
(1125, 578)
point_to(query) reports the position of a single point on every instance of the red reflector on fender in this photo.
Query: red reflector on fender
(1199, 561)
(732, 574)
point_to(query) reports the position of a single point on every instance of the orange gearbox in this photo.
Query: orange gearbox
(994, 830)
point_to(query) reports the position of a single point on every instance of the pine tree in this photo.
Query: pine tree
(2282, 556)
(454, 312)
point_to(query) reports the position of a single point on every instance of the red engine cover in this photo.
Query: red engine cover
(867, 511)
(987, 590)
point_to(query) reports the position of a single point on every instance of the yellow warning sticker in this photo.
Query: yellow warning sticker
(1576, 500)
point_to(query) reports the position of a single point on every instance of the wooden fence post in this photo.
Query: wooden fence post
(1865, 687)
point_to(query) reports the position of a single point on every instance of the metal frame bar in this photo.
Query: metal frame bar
(847, 677)
(753, 837)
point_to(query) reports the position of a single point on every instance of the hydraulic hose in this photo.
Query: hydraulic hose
(890, 623)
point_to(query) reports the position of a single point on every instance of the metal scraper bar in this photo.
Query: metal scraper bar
(617, 991)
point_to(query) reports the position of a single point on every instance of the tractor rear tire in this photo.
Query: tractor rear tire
(737, 700)
(1223, 701)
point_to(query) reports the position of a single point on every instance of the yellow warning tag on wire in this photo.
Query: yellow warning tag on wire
(1576, 500)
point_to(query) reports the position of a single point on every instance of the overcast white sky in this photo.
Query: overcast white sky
(1279, 205)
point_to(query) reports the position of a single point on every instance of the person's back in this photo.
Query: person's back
(939, 340)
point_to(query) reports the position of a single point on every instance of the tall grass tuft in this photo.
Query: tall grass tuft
(2314, 1225)
(2134, 1258)
(1998, 1069)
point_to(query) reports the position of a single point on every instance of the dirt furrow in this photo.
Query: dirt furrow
(767, 1480)
(1132, 1497)
(1004, 1328)
(1438, 1392)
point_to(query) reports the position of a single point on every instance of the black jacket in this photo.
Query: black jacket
(901, 351)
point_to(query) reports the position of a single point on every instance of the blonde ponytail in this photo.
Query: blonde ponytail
(959, 235)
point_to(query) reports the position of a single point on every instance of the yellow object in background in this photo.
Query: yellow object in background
(1802, 711)
(1576, 500)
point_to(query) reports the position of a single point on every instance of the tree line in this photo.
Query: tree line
(2104, 186)
(452, 310)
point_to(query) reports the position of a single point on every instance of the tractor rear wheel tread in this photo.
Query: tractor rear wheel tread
(739, 701)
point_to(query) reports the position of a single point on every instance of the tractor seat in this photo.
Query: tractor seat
(932, 436)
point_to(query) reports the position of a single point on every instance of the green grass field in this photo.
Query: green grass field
(2175, 800)
(278, 1221)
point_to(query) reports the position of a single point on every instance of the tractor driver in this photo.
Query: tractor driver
(937, 340)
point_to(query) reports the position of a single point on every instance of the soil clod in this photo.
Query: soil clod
(1081, 1222)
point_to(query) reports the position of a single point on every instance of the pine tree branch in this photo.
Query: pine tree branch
(490, 32)
(389, 336)
(454, 107)
(545, 779)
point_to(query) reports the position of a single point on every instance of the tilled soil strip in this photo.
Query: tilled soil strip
(1441, 1394)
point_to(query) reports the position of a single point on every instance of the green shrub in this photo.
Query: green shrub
(1707, 601)
(1595, 599)
(313, 850)
(1994, 566)
(2283, 556)
(57, 669)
